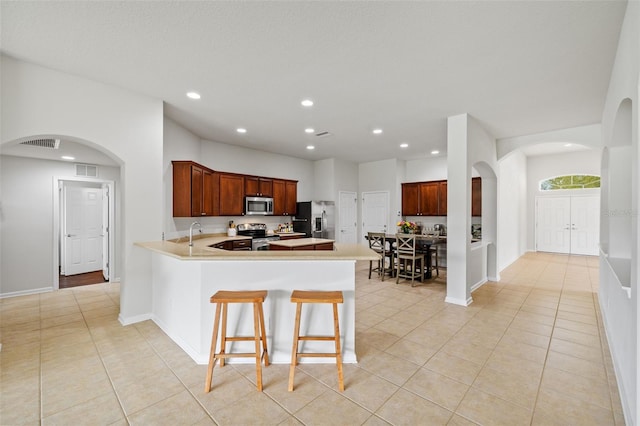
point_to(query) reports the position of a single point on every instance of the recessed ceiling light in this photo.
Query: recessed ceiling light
(404, 145)
(435, 152)
(309, 130)
(306, 103)
(310, 147)
(241, 130)
(377, 131)
(68, 157)
(568, 144)
(193, 95)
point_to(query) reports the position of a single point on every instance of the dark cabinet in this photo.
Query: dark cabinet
(231, 194)
(194, 190)
(258, 187)
(442, 198)
(476, 196)
(424, 198)
(285, 197)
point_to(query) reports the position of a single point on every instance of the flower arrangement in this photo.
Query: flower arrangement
(407, 227)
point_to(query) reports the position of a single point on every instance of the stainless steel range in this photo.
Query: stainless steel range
(258, 233)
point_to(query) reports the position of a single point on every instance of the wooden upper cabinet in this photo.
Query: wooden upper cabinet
(428, 200)
(193, 190)
(476, 196)
(285, 197)
(424, 198)
(442, 198)
(258, 187)
(410, 199)
(231, 194)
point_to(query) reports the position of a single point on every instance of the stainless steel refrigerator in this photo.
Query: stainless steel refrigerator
(316, 219)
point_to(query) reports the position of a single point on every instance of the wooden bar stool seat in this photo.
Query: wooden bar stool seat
(299, 297)
(222, 298)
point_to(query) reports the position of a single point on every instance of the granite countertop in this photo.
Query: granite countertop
(179, 249)
(301, 242)
(292, 234)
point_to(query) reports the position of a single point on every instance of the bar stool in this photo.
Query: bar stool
(222, 298)
(299, 297)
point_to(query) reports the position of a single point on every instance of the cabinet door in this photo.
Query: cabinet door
(442, 198)
(279, 197)
(181, 189)
(196, 191)
(266, 187)
(208, 193)
(231, 195)
(291, 197)
(410, 199)
(476, 197)
(251, 186)
(428, 199)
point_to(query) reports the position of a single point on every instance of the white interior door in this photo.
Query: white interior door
(585, 225)
(105, 231)
(553, 224)
(348, 217)
(375, 212)
(568, 224)
(82, 229)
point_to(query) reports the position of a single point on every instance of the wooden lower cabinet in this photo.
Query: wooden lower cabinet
(324, 246)
(308, 247)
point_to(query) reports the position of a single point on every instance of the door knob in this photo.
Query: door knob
(70, 235)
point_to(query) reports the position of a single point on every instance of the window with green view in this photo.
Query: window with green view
(570, 182)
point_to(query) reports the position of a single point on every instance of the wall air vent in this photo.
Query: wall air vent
(43, 143)
(323, 134)
(87, 170)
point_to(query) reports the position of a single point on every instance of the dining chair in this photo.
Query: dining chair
(433, 250)
(378, 243)
(406, 255)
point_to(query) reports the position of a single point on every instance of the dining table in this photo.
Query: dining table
(423, 245)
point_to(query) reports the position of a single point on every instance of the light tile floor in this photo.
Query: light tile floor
(530, 350)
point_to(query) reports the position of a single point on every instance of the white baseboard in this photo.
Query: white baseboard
(461, 302)
(478, 285)
(134, 319)
(26, 292)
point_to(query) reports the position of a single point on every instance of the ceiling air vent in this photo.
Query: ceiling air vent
(43, 143)
(87, 170)
(323, 134)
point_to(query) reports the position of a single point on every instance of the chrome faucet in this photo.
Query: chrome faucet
(191, 232)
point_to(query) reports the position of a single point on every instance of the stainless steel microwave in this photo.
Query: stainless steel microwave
(258, 206)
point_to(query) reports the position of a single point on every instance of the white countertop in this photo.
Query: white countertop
(202, 251)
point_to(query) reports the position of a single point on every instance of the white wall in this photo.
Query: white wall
(544, 166)
(324, 185)
(512, 208)
(27, 225)
(126, 126)
(619, 307)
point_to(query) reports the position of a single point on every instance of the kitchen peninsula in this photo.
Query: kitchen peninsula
(184, 278)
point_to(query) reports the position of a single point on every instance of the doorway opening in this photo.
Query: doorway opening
(83, 231)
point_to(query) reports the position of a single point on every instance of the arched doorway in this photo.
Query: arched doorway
(34, 170)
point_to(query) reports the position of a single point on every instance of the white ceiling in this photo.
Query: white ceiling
(520, 67)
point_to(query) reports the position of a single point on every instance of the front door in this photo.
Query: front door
(568, 224)
(348, 217)
(82, 232)
(375, 212)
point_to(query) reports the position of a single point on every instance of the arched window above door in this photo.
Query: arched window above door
(570, 182)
